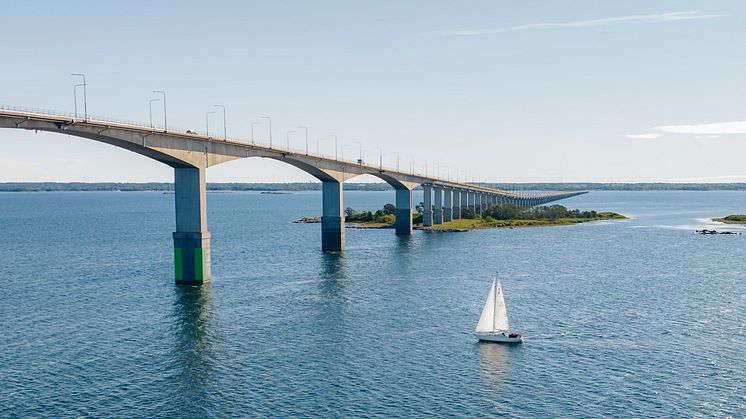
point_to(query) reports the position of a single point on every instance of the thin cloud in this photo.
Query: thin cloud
(716, 128)
(620, 20)
(644, 136)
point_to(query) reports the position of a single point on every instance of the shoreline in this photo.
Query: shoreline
(736, 219)
(464, 225)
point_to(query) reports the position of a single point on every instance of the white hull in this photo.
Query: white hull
(498, 337)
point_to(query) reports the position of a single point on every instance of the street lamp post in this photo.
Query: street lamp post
(85, 99)
(207, 122)
(305, 130)
(335, 146)
(252, 131)
(225, 125)
(75, 94)
(165, 120)
(151, 110)
(270, 129)
(288, 138)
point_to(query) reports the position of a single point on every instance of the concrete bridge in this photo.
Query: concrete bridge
(191, 153)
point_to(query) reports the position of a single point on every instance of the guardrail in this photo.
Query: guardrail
(176, 130)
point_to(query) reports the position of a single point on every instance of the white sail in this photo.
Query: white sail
(487, 319)
(501, 313)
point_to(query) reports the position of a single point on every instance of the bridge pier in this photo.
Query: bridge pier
(403, 222)
(438, 207)
(191, 238)
(464, 201)
(457, 196)
(478, 203)
(332, 218)
(447, 205)
(427, 210)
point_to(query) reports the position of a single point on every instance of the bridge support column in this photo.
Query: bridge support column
(403, 212)
(447, 205)
(332, 218)
(427, 211)
(457, 196)
(478, 203)
(464, 200)
(191, 238)
(438, 207)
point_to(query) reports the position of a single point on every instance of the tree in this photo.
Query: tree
(349, 212)
(389, 209)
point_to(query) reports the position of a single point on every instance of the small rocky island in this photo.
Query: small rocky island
(500, 216)
(732, 219)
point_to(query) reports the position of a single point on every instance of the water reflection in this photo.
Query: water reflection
(494, 361)
(194, 334)
(333, 265)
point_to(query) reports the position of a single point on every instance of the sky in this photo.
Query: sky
(499, 91)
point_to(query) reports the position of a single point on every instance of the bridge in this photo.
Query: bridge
(190, 153)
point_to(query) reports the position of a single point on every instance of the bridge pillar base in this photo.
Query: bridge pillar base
(447, 204)
(456, 212)
(192, 258)
(403, 222)
(427, 210)
(191, 239)
(332, 220)
(438, 206)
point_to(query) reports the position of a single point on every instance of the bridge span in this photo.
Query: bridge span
(190, 154)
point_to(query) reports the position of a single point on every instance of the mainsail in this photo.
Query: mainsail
(486, 320)
(494, 315)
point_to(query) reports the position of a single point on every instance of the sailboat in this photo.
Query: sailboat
(493, 323)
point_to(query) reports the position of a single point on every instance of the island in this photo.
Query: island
(500, 216)
(732, 219)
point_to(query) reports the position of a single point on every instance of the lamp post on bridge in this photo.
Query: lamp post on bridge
(288, 139)
(335, 146)
(165, 120)
(270, 130)
(252, 131)
(225, 125)
(207, 122)
(151, 110)
(85, 98)
(305, 130)
(75, 96)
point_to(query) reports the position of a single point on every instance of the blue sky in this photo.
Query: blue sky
(504, 91)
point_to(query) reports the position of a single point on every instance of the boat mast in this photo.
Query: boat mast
(494, 301)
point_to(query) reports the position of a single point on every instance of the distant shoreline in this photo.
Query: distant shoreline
(316, 186)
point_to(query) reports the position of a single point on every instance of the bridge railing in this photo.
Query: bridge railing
(282, 147)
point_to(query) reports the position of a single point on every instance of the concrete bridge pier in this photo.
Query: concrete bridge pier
(438, 207)
(332, 218)
(464, 200)
(403, 212)
(457, 194)
(427, 211)
(478, 203)
(191, 238)
(447, 205)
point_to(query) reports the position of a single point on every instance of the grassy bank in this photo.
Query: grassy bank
(732, 219)
(480, 223)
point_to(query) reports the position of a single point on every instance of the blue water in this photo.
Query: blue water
(624, 318)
